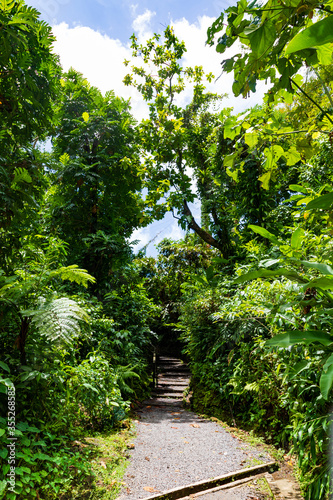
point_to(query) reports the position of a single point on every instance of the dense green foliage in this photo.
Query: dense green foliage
(246, 295)
(75, 335)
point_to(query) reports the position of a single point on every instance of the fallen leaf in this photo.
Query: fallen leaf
(174, 427)
(150, 489)
(103, 464)
(147, 458)
(148, 407)
(175, 413)
(195, 425)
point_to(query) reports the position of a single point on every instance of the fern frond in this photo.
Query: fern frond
(59, 319)
(14, 289)
(123, 373)
(253, 386)
(21, 175)
(126, 372)
(74, 273)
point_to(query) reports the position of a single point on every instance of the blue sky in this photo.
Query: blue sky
(115, 18)
(93, 37)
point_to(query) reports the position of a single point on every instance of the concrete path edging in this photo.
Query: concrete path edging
(183, 491)
(228, 486)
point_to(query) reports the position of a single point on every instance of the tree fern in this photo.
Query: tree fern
(73, 273)
(58, 319)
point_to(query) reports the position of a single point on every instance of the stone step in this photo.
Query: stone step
(174, 395)
(167, 359)
(169, 388)
(167, 382)
(161, 401)
(173, 369)
(172, 380)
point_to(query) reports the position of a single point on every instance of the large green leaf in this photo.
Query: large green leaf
(323, 268)
(261, 39)
(324, 283)
(297, 238)
(298, 188)
(263, 232)
(317, 34)
(323, 202)
(4, 366)
(267, 273)
(326, 379)
(298, 337)
(251, 139)
(265, 179)
(299, 367)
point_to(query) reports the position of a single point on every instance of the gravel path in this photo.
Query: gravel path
(175, 447)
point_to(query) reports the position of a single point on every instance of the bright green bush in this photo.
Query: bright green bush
(274, 391)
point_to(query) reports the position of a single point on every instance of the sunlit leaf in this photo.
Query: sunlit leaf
(326, 379)
(251, 139)
(324, 283)
(324, 202)
(263, 232)
(292, 156)
(300, 337)
(320, 266)
(267, 273)
(297, 238)
(319, 33)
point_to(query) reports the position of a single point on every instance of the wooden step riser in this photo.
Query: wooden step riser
(170, 369)
(168, 390)
(172, 395)
(171, 383)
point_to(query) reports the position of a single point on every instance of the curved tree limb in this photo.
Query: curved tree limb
(204, 235)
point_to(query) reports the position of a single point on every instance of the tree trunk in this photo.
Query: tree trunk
(204, 235)
(22, 338)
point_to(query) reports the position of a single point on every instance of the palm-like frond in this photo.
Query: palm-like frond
(73, 273)
(58, 319)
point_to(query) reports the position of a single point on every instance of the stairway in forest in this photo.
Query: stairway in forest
(173, 377)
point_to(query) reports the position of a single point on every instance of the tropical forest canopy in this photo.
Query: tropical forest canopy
(245, 297)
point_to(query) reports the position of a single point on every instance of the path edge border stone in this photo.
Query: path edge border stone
(189, 489)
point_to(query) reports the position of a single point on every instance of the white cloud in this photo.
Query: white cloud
(142, 24)
(175, 233)
(100, 59)
(155, 233)
(133, 9)
(142, 236)
(198, 53)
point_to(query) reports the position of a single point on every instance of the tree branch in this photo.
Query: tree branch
(310, 99)
(208, 238)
